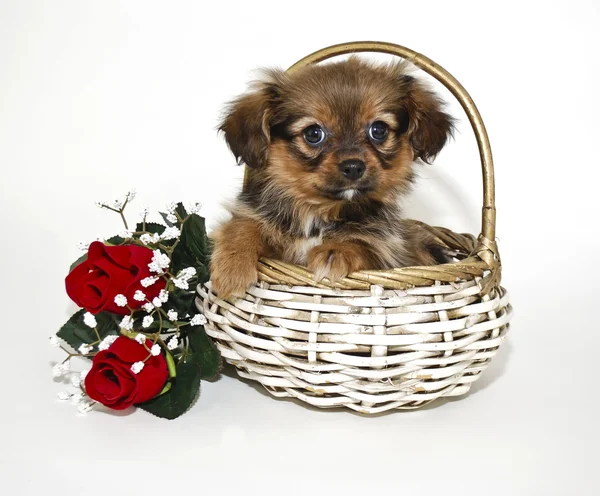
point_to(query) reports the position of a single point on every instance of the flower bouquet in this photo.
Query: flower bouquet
(138, 323)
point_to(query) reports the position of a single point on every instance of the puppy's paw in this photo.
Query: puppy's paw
(334, 261)
(231, 276)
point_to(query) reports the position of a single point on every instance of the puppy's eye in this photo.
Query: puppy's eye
(378, 131)
(314, 134)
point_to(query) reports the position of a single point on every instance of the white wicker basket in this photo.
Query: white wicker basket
(377, 340)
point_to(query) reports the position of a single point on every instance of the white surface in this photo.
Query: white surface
(98, 96)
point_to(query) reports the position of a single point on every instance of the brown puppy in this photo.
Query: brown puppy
(331, 148)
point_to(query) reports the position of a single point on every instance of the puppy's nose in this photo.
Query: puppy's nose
(352, 169)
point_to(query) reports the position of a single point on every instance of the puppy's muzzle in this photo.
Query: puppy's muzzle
(352, 169)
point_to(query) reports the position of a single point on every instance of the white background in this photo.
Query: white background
(97, 97)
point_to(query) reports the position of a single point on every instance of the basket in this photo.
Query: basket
(379, 339)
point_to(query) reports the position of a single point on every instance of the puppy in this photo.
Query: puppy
(331, 149)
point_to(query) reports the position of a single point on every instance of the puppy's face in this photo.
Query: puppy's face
(338, 132)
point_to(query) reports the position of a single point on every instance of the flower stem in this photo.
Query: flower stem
(123, 217)
(160, 325)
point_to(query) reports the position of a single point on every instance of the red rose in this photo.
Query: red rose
(109, 271)
(111, 381)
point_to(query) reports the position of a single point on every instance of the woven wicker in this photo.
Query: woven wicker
(378, 339)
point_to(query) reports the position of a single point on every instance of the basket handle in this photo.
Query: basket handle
(488, 217)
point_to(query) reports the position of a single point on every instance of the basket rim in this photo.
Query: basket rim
(480, 259)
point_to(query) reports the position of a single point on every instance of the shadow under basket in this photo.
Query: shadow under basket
(379, 339)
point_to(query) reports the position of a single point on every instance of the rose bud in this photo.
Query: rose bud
(119, 377)
(110, 271)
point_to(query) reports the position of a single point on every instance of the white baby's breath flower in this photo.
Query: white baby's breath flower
(156, 302)
(187, 273)
(117, 205)
(181, 283)
(146, 238)
(84, 349)
(172, 315)
(148, 307)
(155, 350)
(63, 395)
(172, 218)
(137, 367)
(61, 368)
(150, 238)
(85, 407)
(198, 319)
(144, 213)
(126, 234)
(76, 381)
(171, 206)
(159, 262)
(127, 323)
(148, 281)
(147, 321)
(140, 338)
(89, 320)
(76, 398)
(83, 245)
(120, 300)
(106, 342)
(182, 279)
(194, 208)
(58, 370)
(139, 296)
(163, 295)
(172, 343)
(171, 233)
(131, 195)
(100, 204)
(54, 341)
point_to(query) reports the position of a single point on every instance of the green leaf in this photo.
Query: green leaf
(76, 333)
(80, 260)
(193, 249)
(151, 227)
(180, 397)
(114, 241)
(204, 353)
(153, 327)
(182, 301)
(181, 211)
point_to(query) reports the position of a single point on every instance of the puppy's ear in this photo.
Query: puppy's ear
(246, 124)
(429, 127)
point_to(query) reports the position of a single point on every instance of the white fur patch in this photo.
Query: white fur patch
(303, 246)
(309, 225)
(349, 194)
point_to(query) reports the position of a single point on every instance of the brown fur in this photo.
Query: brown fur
(297, 205)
